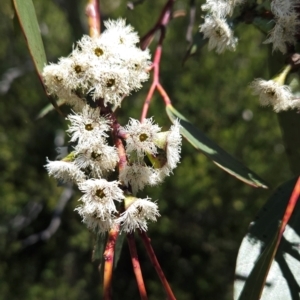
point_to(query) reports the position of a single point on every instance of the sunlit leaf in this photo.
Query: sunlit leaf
(256, 269)
(29, 24)
(219, 156)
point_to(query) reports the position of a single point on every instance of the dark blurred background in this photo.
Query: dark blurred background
(45, 250)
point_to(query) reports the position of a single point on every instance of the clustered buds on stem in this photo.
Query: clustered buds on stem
(287, 23)
(283, 36)
(216, 28)
(108, 68)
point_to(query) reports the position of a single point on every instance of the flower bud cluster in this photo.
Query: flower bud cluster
(90, 165)
(145, 142)
(286, 24)
(216, 27)
(107, 67)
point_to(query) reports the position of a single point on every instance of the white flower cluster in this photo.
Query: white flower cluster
(92, 156)
(145, 141)
(271, 93)
(215, 26)
(91, 162)
(286, 24)
(108, 67)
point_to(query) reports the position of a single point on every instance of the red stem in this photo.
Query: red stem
(164, 94)
(147, 243)
(155, 82)
(147, 101)
(92, 12)
(290, 208)
(136, 266)
(117, 133)
(108, 256)
(118, 143)
(161, 25)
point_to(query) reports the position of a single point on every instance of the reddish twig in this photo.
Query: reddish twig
(155, 85)
(136, 266)
(285, 219)
(192, 18)
(164, 94)
(117, 132)
(147, 243)
(162, 22)
(118, 142)
(161, 25)
(289, 209)
(92, 12)
(108, 256)
(155, 67)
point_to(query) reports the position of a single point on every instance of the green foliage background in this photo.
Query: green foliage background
(205, 212)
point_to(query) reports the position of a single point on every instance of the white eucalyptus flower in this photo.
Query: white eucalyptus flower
(98, 156)
(137, 215)
(101, 191)
(219, 34)
(87, 125)
(273, 94)
(110, 82)
(137, 62)
(94, 222)
(283, 8)
(220, 8)
(55, 79)
(97, 50)
(118, 33)
(65, 171)
(173, 148)
(138, 176)
(284, 32)
(141, 137)
(77, 65)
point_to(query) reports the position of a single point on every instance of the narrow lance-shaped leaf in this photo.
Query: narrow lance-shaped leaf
(219, 156)
(256, 280)
(259, 276)
(29, 24)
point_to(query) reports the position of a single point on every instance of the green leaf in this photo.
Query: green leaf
(219, 156)
(255, 282)
(30, 27)
(118, 248)
(256, 269)
(197, 43)
(48, 108)
(29, 24)
(99, 247)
